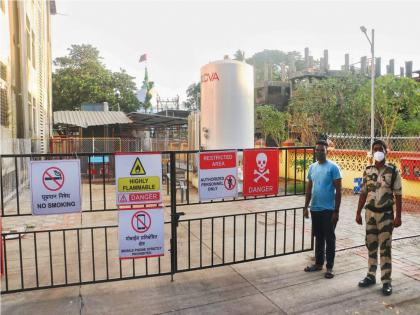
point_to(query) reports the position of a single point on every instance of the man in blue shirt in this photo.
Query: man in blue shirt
(324, 193)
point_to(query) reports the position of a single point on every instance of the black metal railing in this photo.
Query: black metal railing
(243, 237)
(66, 257)
(50, 258)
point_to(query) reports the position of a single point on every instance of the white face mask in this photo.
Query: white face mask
(379, 156)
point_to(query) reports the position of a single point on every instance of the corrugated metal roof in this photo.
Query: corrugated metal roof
(143, 120)
(86, 119)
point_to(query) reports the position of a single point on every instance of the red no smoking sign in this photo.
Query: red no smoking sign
(53, 178)
(141, 221)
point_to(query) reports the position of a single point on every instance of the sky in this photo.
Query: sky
(180, 37)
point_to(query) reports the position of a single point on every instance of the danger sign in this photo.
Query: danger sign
(261, 172)
(55, 186)
(138, 178)
(218, 175)
(141, 233)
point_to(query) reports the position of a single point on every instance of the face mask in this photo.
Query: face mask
(379, 156)
(320, 156)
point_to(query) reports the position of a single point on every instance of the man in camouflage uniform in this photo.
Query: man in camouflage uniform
(381, 182)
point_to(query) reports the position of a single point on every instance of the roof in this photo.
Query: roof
(86, 119)
(144, 120)
(174, 112)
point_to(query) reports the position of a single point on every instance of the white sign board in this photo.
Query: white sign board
(138, 178)
(55, 186)
(218, 175)
(141, 232)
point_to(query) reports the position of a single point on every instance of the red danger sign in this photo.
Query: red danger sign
(141, 221)
(53, 178)
(261, 172)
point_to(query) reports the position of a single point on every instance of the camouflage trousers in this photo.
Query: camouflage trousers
(379, 226)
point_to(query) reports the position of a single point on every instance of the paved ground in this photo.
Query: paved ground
(271, 286)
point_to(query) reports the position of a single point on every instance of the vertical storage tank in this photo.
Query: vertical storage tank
(227, 105)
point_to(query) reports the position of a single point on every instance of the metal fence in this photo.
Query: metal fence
(102, 145)
(354, 142)
(56, 257)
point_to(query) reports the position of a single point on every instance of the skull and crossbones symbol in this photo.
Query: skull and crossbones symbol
(261, 160)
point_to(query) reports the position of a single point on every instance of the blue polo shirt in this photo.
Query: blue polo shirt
(323, 190)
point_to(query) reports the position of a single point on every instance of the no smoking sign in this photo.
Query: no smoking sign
(53, 178)
(55, 186)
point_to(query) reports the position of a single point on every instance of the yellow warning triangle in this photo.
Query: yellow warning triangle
(137, 168)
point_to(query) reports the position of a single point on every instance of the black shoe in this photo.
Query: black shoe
(387, 289)
(366, 282)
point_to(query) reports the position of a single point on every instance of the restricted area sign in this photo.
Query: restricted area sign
(261, 172)
(55, 186)
(141, 232)
(138, 178)
(218, 175)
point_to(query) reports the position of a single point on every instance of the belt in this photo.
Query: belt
(379, 210)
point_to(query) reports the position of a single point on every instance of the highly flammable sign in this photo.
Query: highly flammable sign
(138, 178)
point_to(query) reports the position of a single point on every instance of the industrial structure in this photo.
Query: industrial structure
(227, 105)
(25, 80)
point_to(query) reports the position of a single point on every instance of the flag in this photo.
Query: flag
(143, 58)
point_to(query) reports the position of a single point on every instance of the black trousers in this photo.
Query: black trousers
(324, 232)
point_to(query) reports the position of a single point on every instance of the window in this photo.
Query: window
(33, 50)
(4, 107)
(28, 39)
(28, 45)
(34, 120)
(3, 71)
(30, 112)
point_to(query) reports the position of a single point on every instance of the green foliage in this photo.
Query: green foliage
(270, 122)
(193, 100)
(81, 77)
(329, 106)
(148, 86)
(397, 105)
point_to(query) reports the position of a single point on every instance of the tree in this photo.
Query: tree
(147, 86)
(328, 105)
(397, 105)
(126, 87)
(193, 100)
(271, 123)
(239, 55)
(81, 77)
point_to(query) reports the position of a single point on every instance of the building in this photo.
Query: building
(25, 84)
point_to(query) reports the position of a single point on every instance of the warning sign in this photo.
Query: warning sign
(138, 168)
(141, 233)
(218, 175)
(55, 186)
(261, 172)
(138, 178)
